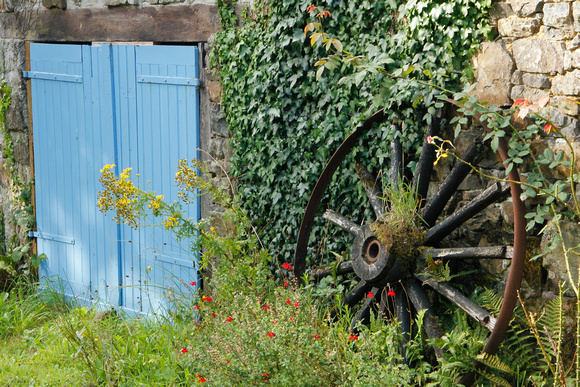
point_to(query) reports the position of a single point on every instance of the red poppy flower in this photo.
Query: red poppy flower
(196, 307)
(297, 304)
(229, 319)
(287, 300)
(200, 379)
(266, 307)
(370, 295)
(287, 266)
(193, 283)
(227, 361)
(206, 298)
(271, 334)
(353, 337)
(317, 336)
(184, 350)
(285, 284)
(391, 293)
(265, 374)
(212, 314)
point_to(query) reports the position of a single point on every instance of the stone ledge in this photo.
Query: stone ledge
(179, 23)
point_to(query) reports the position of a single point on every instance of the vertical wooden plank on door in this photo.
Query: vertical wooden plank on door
(167, 107)
(127, 136)
(99, 233)
(56, 72)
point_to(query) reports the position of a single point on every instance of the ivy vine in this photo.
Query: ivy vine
(285, 124)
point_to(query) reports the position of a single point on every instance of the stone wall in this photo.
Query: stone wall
(536, 53)
(13, 56)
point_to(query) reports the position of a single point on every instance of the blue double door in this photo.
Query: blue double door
(133, 106)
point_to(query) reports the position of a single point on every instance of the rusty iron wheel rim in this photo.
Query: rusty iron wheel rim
(497, 327)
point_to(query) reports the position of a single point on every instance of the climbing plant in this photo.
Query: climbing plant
(285, 124)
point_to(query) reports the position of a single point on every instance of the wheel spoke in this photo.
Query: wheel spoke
(357, 293)
(396, 160)
(343, 268)
(449, 186)
(342, 222)
(364, 313)
(492, 194)
(421, 302)
(402, 308)
(489, 252)
(471, 308)
(424, 168)
(368, 183)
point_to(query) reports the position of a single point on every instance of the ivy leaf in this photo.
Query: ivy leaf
(359, 77)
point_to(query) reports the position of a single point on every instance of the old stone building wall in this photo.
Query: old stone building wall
(536, 53)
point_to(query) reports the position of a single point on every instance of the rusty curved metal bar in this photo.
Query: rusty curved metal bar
(516, 273)
(310, 212)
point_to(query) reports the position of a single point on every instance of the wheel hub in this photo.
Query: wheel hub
(371, 261)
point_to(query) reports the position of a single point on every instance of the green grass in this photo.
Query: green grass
(262, 334)
(44, 342)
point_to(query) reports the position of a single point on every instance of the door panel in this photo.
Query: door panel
(134, 106)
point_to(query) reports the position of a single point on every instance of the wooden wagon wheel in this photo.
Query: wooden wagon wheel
(380, 269)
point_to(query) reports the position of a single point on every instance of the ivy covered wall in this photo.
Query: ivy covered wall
(286, 124)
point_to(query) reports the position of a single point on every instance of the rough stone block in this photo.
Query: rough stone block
(538, 81)
(560, 119)
(219, 168)
(575, 59)
(568, 105)
(516, 78)
(574, 44)
(576, 15)
(524, 8)
(552, 33)
(528, 93)
(494, 71)
(557, 15)
(507, 212)
(538, 56)
(518, 28)
(500, 11)
(571, 130)
(218, 123)
(61, 4)
(214, 91)
(115, 3)
(554, 262)
(219, 148)
(568, 84)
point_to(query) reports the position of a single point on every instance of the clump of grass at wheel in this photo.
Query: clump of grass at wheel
(399, 229)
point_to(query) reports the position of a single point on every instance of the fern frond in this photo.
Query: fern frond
(496, 380)
(494, 362)
(491, 301)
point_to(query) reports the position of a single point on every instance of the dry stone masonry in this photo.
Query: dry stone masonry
(537, 53)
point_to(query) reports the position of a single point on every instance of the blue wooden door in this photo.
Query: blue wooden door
(133, 106)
